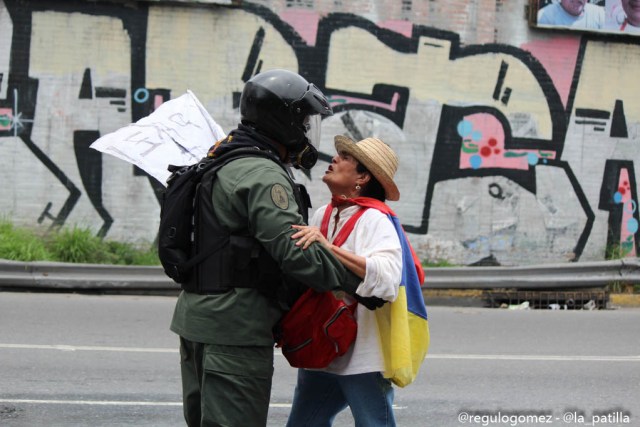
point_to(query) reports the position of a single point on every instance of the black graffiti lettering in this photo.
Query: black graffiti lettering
(495, 190)
(619, 122)
(593, 113)
(253, 66)
(90, 168)
(351, 126)
(86, 88)
(46, 213)
(110, 92)
(500, 82)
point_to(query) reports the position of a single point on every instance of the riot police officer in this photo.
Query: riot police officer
(226, 341)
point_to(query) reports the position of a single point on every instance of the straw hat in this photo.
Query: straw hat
(377, 157)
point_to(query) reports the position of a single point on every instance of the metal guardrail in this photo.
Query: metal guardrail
(546, 276)
(40, 275)
(96, 277)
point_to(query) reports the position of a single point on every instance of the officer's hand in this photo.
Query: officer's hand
(370, 302)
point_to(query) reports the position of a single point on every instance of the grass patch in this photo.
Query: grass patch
(77, 245)
(127, 254)
(21, 244)
(74, 245)
(618, 250)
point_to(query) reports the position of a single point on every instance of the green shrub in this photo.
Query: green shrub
(75, 245)
(126, 253)
(21, 245)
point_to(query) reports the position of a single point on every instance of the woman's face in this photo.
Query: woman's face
(632, 10)
(573, 7)
(341, 175)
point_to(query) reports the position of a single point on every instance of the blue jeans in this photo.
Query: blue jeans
(320, 396)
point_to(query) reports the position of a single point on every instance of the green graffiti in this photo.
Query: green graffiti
(337, 100)
(626, 246)
(512, 154)
(5, 120)
(468, 146)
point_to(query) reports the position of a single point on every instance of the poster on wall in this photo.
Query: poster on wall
(605, 16)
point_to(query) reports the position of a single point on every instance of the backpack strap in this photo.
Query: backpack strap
(214, 164)
(222, 260)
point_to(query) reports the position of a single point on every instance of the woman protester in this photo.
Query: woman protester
(356, 227)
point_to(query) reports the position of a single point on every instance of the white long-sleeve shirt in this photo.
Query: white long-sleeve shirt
(373, 237)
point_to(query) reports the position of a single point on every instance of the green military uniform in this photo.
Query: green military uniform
(226, 339)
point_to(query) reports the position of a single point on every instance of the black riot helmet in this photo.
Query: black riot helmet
(282, 105)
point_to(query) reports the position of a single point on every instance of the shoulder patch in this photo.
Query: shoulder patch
(279, 196)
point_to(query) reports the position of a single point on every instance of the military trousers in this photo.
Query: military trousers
(226, 386)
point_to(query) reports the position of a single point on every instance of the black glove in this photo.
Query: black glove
(370, 302)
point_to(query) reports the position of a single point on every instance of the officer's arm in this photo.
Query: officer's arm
(272, 210)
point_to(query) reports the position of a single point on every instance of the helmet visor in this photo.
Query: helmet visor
(312, 125)
(311, 102)
(317, 101)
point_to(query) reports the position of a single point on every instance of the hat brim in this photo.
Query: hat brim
(347, 145)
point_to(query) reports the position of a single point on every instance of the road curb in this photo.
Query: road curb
(476, 298)
(454, 297)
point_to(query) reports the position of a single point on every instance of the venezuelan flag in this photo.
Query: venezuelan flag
(402, 324)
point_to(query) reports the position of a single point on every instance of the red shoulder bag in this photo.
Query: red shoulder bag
(319, 327)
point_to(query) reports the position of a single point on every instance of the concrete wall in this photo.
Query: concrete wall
(514, 142)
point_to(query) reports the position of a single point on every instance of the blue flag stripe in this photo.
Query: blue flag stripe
(415, 300)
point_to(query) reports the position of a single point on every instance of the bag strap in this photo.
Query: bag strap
(197, 259)
(346, 229)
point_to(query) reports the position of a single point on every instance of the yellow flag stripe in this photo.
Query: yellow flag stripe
(404, 339)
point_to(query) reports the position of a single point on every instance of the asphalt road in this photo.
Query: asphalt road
(78, 360)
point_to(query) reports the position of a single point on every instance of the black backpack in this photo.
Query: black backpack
(177, 214)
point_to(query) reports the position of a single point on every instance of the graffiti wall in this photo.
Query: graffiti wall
(516, 145)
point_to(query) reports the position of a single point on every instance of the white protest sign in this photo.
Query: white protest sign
(179, 132)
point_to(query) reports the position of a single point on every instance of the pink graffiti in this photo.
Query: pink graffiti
(403, 27)
(6, 118)
(627, 237)
(558, 56)
(305, 22)
(483, 146)
(157, 101)
(340, 100)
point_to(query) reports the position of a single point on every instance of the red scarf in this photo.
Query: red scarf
(348, 226)
(365, 203)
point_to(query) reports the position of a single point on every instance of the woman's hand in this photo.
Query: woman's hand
(307, 234)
